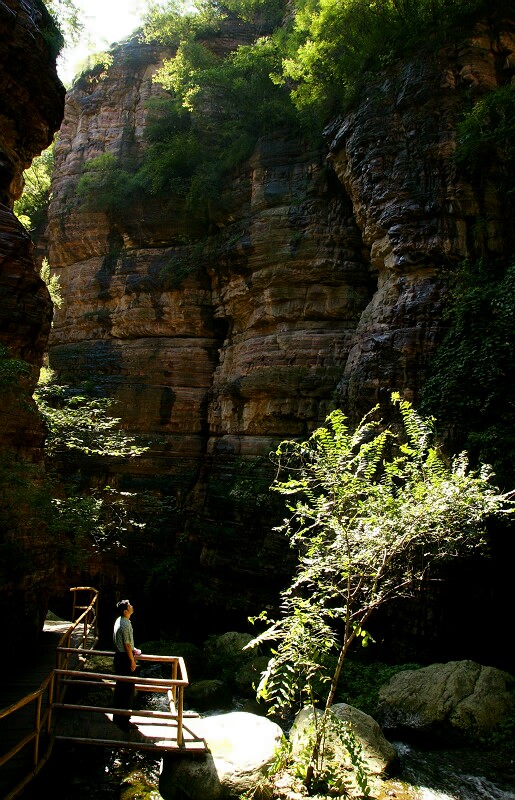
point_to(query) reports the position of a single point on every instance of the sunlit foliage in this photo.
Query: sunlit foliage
(32, 206)
(371, 515)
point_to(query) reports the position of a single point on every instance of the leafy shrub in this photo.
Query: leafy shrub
(338, 41)
(105, 186)
(78, 420)
(31, 208)
(486, 135)
(216, 110)
(472, 380)
(11, 370)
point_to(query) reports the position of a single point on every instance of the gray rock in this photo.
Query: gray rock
(378, 754)
(241, 748)
(207, 695)
(226, 650)
(459, 699)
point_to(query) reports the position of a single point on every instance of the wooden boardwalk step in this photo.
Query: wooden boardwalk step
(146, 733)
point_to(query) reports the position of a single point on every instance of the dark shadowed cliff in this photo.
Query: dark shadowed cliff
(32, 102)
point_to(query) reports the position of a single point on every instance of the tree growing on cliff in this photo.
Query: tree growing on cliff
(372, 513)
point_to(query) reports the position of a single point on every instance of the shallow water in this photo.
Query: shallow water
(460, 774)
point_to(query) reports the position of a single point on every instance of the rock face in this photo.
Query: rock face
(31, 111)
(241, 353)
(377, 753)
(456, 701)
(241, 747)
(417, 214)
(316, 284)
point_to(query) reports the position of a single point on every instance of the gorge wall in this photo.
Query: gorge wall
(314, 284)
(32, 103)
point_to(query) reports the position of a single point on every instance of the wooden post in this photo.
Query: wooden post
(179, 717)
(174, 678)
(50, 703)
(38, 729)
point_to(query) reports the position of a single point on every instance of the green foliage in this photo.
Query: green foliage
(333, 778)
(98, 63)
(52, 282)
(486, 135)
(80, 421)
(472, 379)
(12, 370)
(338, 41)
(105, 186)
(360, 682)
(32, 206)
(173, 22)
(370, 516)
(219, 106)
(217, 109)
(170, 22)
(96, 522)
(65, 14)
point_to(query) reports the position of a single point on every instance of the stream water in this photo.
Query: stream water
(453, 775)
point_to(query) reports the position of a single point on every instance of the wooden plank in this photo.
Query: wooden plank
(146, 732)
(159, 746)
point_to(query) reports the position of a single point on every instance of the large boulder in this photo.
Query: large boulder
(241, 747)
(225, 654)
(456, 700)
(208, 695)
(377, 753)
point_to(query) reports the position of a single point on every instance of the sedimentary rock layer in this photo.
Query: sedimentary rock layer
(316, 284)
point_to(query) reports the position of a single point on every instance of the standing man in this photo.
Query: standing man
(124, 663)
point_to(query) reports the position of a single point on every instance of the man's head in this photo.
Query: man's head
(124, 607)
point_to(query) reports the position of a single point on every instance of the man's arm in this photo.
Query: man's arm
(128, 650)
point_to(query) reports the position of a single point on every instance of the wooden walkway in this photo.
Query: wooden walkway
(71, 719)
(147, 732)
(26, 678)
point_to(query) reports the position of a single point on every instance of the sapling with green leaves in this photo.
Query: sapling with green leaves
(371, 513)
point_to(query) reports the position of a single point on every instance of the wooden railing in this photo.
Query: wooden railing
(42, 700)
(84, 630)
(81, 637)
(172, 687)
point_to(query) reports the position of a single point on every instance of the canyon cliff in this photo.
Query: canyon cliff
(315, 283)
(31, 112)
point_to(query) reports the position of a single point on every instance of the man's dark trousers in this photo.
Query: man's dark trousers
(123, 691)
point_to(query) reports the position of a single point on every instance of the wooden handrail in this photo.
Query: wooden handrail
(55, 685)
(43, 717)
(173, 687)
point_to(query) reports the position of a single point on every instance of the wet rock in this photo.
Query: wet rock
(379, 756)
(452, 701)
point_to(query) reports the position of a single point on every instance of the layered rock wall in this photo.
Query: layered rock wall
(317, 284)
(32, 103)
(395, 156)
